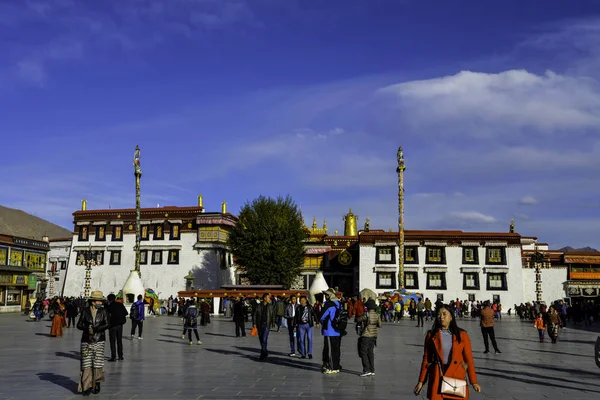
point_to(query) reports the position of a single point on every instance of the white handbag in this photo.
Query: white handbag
(454, 387)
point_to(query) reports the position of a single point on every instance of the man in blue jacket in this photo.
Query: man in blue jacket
(333, 338)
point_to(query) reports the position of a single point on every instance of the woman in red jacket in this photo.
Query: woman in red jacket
(446, 341)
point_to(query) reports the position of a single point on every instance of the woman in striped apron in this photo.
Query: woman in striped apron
(93, 321)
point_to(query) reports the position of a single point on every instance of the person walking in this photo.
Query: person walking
(487, 327)
(117, 318)
(540, 325)
(93, 321)
(190, 321)
(290, 318)
(239, 315)
(58, 320)
(446, 353)
(332, 338)
(263, 316)
(369, 326)
(136, 313)
(305, 320)
(420, 312)
(553, 324)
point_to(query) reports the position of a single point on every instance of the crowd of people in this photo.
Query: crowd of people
(447, 359)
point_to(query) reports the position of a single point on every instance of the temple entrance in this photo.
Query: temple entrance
(342, 281)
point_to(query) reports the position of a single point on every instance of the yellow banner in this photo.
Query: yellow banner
(584, 275)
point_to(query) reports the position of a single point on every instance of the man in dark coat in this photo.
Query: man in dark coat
(239, 314)
(263, 316)
(117, 318)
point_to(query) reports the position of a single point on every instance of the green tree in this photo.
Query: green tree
(268, 241)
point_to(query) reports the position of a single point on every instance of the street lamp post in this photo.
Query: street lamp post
(87, 258)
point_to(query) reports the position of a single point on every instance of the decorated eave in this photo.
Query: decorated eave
(24, 242)
(129, 213)
(582, 258)
(250, 292)
(450, 237)
(226, 219)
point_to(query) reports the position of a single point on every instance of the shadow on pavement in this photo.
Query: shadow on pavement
(495, 375)
(556, 352)
(180, 341)
(75, 355)
(575, 372)
(59, 380)
(218, 334)
(44, 334)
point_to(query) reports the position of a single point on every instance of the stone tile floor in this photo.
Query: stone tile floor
(163, 366)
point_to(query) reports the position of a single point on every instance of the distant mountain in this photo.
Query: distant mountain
(15, 222)
(586, 249)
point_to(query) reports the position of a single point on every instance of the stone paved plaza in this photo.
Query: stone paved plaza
(163, 366)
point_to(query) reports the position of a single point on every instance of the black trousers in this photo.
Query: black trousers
(366, 345)
(189, 330)
(240, 329)
(420, 315)
(489, 332)
(71, 320)
(332, 352)
(138, 324)
(115, 334)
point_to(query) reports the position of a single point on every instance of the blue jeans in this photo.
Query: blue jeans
(263, 337)
(38, 315)
(304, 333)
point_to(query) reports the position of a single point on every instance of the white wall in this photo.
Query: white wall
(59, 251)
(165, 279)
(454, 276)
(552, 284)
(367, 277)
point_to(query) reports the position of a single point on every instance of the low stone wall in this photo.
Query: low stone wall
(10, 309)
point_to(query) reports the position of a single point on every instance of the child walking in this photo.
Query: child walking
(540, 325)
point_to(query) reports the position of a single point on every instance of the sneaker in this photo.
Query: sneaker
(132, 337)
(310, 356)
(498, 352)
(372, 373)
(191, 342)
(183, 337)
(335, 371)
(199, 342)
(365, 374)
(139, 338)
(292, 354)
(326, 371)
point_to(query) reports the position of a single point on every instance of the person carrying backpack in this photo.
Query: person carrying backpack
(136, 313)
(331, 329)
(190, 321)
(369, 326)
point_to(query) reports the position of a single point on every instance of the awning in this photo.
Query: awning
(496, 270)
(436, 269)
(470, 269)
(582, 288)
(385, 269)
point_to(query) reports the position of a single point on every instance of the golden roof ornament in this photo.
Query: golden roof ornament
(367, 224)
(512, 226)
(350, 224)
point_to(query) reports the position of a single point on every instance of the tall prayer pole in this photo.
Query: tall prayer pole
(400, 170)
(138, 175)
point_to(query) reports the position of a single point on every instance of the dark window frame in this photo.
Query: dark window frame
(504, 286)
(147, 237)
(172, 228)
(63, 265)
(114, 237)
(155, 235)
(477, 282)
(156, 262)
(475, 255)
(416, 279)
(471, 297)
(144, 261)
(101, 253)
(169, 252)
(392, 250)
(378, 285)
(112, 253)
(80, 233)
(442, 255)
(97, 237)
(415, 250)
(444, 284)
(502, 255)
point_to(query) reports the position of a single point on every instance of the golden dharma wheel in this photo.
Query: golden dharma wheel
(210, 294)
(225, 294)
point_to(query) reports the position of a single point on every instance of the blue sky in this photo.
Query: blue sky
(497, 106)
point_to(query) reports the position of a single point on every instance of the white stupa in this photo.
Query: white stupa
(132, 288)
(319, 285)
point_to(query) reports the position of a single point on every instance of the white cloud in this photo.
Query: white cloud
(515, 98)
(528, 201)
(472, 216)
